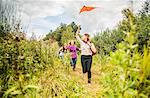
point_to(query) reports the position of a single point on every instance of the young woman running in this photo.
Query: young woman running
(73, 53)
(87, 50)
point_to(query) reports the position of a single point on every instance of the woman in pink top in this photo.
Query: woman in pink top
(73, 53)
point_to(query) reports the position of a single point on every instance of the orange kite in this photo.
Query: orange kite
(86, 8)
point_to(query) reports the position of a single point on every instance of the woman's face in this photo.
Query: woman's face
(84, 38)
(72, 42)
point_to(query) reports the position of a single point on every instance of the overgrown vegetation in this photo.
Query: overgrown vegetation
(106, 41)
(63, 33)
(125, 65)
(31, 68)
(126, 73)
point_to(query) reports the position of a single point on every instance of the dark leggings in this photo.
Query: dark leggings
(73, 62)
(86, 61)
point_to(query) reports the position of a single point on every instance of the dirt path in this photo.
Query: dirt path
(92, 89)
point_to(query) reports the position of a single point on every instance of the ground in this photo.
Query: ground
(92, 89)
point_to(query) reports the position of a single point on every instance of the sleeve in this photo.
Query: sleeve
(77, 48)
(68, 47)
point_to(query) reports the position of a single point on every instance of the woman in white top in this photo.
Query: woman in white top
(87, 50)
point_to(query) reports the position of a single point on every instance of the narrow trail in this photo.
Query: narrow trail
(92, 89)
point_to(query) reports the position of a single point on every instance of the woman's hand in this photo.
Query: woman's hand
(78, 30)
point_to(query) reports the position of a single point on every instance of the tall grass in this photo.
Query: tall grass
(29, 68)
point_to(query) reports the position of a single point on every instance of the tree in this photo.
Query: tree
(63, 34)
(143, 26)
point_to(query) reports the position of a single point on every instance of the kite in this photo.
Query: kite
(86, 8)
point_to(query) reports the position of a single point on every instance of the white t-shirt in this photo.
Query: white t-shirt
(85, 48)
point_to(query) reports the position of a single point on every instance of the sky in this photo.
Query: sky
(41, 16)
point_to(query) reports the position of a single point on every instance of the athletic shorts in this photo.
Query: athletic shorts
(86, 61)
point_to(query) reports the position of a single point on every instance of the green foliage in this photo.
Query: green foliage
(28, 69)
(31, 68)
(67, 35)
(143, 26)
(63, 34)
(106, 41)
(126, 74)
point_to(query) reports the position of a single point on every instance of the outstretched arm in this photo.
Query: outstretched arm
(77, 34)
(60, 49)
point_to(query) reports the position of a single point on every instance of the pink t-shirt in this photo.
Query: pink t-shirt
(73, 51)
